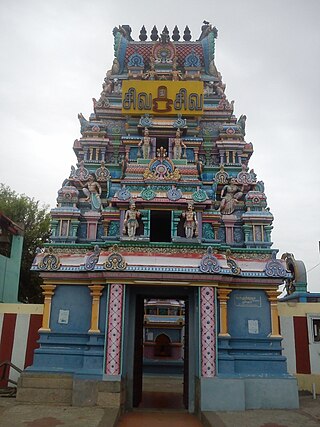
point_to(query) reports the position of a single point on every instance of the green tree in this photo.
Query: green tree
(36, 220)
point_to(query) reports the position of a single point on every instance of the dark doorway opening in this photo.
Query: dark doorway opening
(162, 142)
(161, 375)
(160, 226)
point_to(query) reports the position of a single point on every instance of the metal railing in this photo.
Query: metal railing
(5, 366)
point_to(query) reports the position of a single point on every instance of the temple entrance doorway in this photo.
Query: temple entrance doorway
(161, 354)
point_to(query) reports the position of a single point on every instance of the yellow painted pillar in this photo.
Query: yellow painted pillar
(273, 299)
(96, 292)
(223, 295)
(48, 292)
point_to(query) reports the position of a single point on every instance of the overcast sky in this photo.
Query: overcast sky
(54, 56)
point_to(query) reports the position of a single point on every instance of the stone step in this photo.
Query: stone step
(163, 384)
(63, 389)
(45, 381)
(41, 395)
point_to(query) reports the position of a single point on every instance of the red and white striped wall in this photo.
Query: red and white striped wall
(19, 325)
(299, 347)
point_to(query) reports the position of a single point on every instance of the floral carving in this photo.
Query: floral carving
(274, 267)
(148, 193)
(92, 259)
(199, 195)
(174, 194)
(50, 261)
(115, 260)
(209, 263)
(222, 177)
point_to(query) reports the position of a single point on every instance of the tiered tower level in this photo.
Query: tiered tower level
(164, 137)
(162, 196)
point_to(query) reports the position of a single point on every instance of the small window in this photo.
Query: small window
(160, 226)
(162, 142)
(316, 329)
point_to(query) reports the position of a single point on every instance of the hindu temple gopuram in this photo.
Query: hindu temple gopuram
(162, 204)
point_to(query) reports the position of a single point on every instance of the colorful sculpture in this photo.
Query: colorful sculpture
(190, 222)
(179, 146)
(92, 190)
(131, 223)
(230, 195)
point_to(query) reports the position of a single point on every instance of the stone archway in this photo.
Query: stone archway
(162, 346)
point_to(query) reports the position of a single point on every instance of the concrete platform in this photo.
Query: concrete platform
(307, 416)
(17, 414)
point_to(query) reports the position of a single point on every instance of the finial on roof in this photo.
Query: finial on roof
(176, 34)
(154, 34)
(165, 38)
(143, 34)
(187, 34)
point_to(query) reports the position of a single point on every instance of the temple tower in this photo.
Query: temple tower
(162, 203)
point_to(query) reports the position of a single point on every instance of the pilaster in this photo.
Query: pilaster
(96, 292)
(223, 295)
(229, 221)
(92, 218)
(48, 292)
(273, 299)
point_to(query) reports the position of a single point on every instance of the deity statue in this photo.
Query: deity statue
(92, 190)
(145, 144)
(190, 222)
(115, 67)
(107, 86)
(242, 123)
(131, 223)
(178, 145)
(230, 196)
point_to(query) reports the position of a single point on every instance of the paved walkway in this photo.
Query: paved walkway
(307, 416)
(158, 419)
(15, 414)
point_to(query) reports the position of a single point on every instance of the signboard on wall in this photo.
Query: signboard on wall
(247, 301)
(162, 97)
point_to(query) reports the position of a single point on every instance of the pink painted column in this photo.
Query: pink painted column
(229, 221)
(92, 218)
(115, 313)
(208, 332)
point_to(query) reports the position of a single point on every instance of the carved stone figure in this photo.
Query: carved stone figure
(117, 86)
(230, 196)
(220, 88)
(144, 144)
(107, 86)
(115, 67)
(208, 88)
(190, 222)
(213, 69)
(131, 223)
(178, 145)
(242, 123)
(92, 190)
(206, 29)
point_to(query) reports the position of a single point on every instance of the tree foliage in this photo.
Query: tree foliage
(36, 220)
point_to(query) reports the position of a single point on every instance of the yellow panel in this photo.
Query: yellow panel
(21, 308)
(162, 97)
